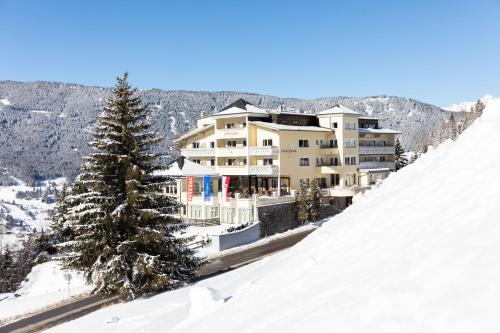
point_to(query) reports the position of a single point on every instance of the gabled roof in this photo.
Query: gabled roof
(241, 106)
(194, 132)
(338, 109)
(182, 167)
(281, 127)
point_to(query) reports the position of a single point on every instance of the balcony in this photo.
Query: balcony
(328, 146)
(232, 151)
(196, 152)
(227, 133)
(264, 170)
(376, 150)
(377, 165)
(322, 164)
(264, 151)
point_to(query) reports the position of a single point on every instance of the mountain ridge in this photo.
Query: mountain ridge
(55, 113)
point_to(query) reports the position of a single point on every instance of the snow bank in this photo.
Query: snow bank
(44, 285)
(418, 254)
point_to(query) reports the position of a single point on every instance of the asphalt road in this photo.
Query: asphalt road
(218, 265)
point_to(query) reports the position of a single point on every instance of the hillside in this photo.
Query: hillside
(394, 261)
(42, 123)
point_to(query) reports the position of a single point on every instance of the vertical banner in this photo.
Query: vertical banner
(207, 187)
(190, 187)
(225, 188)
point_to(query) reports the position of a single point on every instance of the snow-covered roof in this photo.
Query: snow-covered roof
(241, 106)
(194, 132)
(374, 170)
(281, 127)
(379, 131)
(182, 167)
(338, 109)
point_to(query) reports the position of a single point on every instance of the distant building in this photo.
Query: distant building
(267, 154)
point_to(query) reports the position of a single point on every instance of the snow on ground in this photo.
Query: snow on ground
(418, 254)
(28, 213)
(4, 101)
(44, 285)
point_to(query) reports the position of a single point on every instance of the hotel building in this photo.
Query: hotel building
(267, 154)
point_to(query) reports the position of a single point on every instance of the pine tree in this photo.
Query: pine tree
(401, 159)
(123, 226)
(452, 127)
(60, 225)
(315, 200)
(303, 201)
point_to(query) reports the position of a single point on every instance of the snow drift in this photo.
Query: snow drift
(418, 254)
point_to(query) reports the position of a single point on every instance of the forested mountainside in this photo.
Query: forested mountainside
(42, 124)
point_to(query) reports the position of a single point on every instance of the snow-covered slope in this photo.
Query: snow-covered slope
(467, 106)
(418, 254)
(44, 285)
(25, 209)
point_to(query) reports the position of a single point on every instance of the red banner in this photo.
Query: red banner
(225, 187)
(189, 187)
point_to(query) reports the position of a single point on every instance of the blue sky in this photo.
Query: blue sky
(439, 52)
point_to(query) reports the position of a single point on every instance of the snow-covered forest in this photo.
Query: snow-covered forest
(57, 113)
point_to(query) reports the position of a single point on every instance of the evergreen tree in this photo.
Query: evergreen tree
(315, 200)
(414, 157)
(303, 201)
(401, 159)
(60, 226)
(452, 127)
(479, 108)
(123, 226)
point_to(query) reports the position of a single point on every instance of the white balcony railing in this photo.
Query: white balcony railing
(231, 133)
(232, 151)
(264, 170)
(194, 152)
(377, 165)
(264, 151)
(376, 150)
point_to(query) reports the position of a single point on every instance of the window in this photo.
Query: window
(267, 142)
(198, 186)
(195, 145)
(382, 158)
(334, 124)
(303, 143)
(350, 125)
(304, 182)
(319, 161)
(212, 144)
(231, 162)
(334, 161)
(246, 215)
(319, 142)
(350, 143)
(321, 182)
(231, 143)
(212, 162)
(350, 179)
(171, 189)
(227, 215)
(196, 212)
(197, 161)
(304, 161)
(334, 179)
(244, 142)
(212, 212)
(350, 160)
(230, 125)
(268, 161)
(333, 143)
(244, 161)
